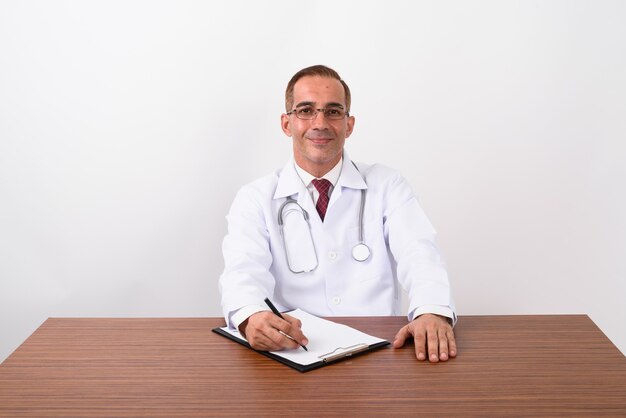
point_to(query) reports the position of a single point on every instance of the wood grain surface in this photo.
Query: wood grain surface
(560, 365)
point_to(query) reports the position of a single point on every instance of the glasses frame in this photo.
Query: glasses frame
(316, 111)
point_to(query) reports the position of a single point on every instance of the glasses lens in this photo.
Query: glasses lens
(334, 113)
(308, 112)
(305, 112)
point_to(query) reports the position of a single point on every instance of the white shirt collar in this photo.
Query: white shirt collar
(332, 175)
(290, 181)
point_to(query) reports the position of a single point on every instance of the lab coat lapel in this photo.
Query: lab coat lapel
(349, 178)
(290, 184)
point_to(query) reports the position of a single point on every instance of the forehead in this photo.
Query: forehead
(319, 90)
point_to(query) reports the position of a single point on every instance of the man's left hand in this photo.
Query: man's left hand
(430, 333)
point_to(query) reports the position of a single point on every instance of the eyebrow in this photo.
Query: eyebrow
(331, 104)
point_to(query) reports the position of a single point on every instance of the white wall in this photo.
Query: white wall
(127, 126)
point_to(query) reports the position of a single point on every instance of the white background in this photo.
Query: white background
(126, 128)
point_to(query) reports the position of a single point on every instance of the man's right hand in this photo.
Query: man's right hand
(263, 331)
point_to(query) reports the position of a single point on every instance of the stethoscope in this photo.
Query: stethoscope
(360, 252)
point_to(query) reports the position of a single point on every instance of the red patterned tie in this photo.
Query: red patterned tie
(322, 186)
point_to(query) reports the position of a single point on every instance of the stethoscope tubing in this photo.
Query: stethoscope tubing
(360, 252)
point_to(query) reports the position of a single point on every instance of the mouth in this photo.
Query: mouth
(319, 139)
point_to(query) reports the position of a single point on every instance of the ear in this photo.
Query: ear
(284, 124)
(350, 126)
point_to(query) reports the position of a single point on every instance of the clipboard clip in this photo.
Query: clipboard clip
(340, 352)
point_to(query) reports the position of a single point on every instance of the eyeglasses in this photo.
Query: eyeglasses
(309, 112)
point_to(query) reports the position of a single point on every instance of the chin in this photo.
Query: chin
(323, 159)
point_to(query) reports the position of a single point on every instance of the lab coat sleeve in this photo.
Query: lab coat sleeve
(420, 268)
(246, 279)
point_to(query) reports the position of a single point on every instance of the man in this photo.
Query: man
(331, 237)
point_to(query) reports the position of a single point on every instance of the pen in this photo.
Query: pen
(273, 308)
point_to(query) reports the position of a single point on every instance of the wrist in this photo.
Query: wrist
(445, 318)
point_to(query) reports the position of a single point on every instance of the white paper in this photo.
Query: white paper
(325, 337)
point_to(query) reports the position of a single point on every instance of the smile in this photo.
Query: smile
(320, 141)
(319, 138)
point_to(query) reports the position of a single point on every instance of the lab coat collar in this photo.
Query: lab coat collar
(289, 183)
(350, 177)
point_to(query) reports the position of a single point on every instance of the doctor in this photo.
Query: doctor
(332, 237)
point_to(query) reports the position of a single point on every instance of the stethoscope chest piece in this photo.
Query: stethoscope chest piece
(360, 252)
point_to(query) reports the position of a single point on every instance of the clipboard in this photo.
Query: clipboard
(329, 342)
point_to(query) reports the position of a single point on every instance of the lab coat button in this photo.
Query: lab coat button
(332, 255)
(336, 300)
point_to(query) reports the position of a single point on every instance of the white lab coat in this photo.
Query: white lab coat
(397, 231)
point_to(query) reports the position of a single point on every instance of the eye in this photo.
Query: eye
(335, 113)
(307, 110)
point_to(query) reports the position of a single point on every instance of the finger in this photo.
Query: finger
(443, 345)
(280, 339)
(420, 344)
(291, 327)
(262, 332)
(265, 344)
(293, 321)
(270, 339)
(401, 337)
(433, 345)
(294, 330)
(261, 322)
(451, 344)
(260, 341)
(285, 340)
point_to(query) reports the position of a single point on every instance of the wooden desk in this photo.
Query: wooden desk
(507, 366)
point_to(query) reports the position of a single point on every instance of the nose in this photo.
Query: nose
(319, 121)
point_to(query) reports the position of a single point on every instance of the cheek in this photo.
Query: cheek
(296, 130)
(341, 132)
(297, 135)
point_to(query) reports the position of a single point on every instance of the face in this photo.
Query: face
(317, 143)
